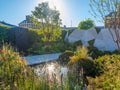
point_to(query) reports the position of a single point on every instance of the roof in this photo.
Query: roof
(37, 59)
(6, 24)
(27, 20)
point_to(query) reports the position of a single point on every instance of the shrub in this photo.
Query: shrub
(46, 41)
(91, 42)
(64, 58)
(86, 24)
(3, 34)
(108, 69)
(88, 66)
(52, 47)
(81, 60)
(76, 44)
(97, 29)
(94, 52)
(14, 73)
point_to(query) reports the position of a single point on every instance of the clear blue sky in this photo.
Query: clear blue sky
(72, 11)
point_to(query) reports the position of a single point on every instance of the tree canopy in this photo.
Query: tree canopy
(44, 14)
(108, 11)
(86, 24)
(49, 21)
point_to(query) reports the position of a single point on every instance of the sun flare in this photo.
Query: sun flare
(58, 5)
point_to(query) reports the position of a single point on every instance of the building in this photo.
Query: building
(28, 23)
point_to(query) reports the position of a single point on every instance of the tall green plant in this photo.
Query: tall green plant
(49, 21)
(14, 73)
(81, 52)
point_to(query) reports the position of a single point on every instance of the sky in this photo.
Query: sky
(71, 11)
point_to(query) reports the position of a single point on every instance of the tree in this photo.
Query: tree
(48, 19)
(108, 11)
(46, 15)
(86, 24)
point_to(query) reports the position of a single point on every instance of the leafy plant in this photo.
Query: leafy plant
(64, 58)
(14, 73)
(81, 60)
(94, 52)
(3, 34)
(86, 24)
(82, 66)
(108, 69)
(81, 52)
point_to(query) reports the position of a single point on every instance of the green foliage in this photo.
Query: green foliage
(78, 43)
(35, 36)
(106, 62)
(40, 43)
(86, 24)
(4, 27)
(64, 58)
(97, 30)
(81, 52)
(108, 69)
(46, 15)
(91, 42)
(7, 35)
(88, 67)
(49, 33)
(3, 34)
(52, 47)
(70, 31)
(14, 73)
(81, 60)
(94, 52)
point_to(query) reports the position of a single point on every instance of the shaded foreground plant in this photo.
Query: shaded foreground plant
(81, 66)
(14, 73)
